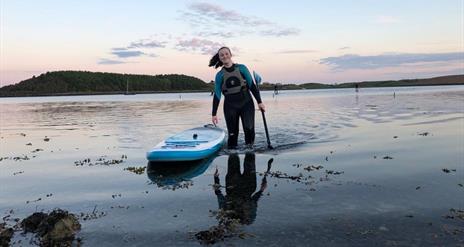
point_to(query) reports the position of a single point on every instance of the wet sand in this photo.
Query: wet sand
(348, 169)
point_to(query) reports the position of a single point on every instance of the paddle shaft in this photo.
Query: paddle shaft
(267, 132)
(264, 117)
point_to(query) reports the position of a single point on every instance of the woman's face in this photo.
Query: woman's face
(225, 56)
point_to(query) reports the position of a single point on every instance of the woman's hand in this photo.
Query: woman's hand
(261, 107)
(215, 120)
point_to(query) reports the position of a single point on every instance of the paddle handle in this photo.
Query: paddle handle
(265, 128)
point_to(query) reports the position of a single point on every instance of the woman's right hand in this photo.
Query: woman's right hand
(215, 120)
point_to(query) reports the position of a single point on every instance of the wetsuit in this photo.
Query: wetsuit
(236, 83)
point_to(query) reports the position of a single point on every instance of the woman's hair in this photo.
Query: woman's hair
(215, 61)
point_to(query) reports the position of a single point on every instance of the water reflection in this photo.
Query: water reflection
(172, 175)
(241, 200)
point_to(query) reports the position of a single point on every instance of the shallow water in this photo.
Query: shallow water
(382, 181)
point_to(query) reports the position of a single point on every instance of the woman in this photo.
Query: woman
(235, 82)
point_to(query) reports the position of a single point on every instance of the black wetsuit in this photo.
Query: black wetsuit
(238, 105)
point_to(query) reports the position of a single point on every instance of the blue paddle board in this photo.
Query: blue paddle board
(192, 144)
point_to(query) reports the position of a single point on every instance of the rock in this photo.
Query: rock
(31, 223)
(63, 231)
(55, 229)
(6, 233)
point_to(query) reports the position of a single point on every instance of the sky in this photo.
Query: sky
(331, 41)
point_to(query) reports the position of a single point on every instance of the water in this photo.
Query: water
(381, 155)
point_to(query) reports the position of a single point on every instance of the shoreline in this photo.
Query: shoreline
(206, 91)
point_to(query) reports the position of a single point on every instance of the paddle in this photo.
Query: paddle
(258, 80)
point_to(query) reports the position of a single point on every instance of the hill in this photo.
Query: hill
(84, 82)
(442, 80)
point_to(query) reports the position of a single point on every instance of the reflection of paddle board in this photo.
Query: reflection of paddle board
(174, 172)
(192, 144)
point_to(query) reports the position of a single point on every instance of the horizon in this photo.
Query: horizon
(289, 83)
(318, 42)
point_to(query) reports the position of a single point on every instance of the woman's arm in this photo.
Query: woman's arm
(251, 85)
(217, 95)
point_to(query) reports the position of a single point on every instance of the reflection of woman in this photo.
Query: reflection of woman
(236, 83)
(241, 201)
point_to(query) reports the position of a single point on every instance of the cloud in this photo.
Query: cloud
(281, 32)
(127, 53)
(352, 61)
(209, 16)
(147, 44)
(119, 49)
(218, 14)
(217, 34)
(205, 47)
(123, 53)
(344, 48)
(105, 61)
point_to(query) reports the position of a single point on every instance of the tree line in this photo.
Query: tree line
(84, 82)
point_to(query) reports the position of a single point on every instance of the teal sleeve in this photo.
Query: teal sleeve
(251, 85)
(218, 85)
(246, 73)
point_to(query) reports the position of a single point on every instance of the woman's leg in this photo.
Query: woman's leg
(232, 118)
(247, 114)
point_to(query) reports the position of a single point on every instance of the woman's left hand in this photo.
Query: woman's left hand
(261, 107)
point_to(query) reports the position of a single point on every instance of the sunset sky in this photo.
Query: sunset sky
(330, 41)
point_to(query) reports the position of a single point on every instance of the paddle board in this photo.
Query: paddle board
(192, 144)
